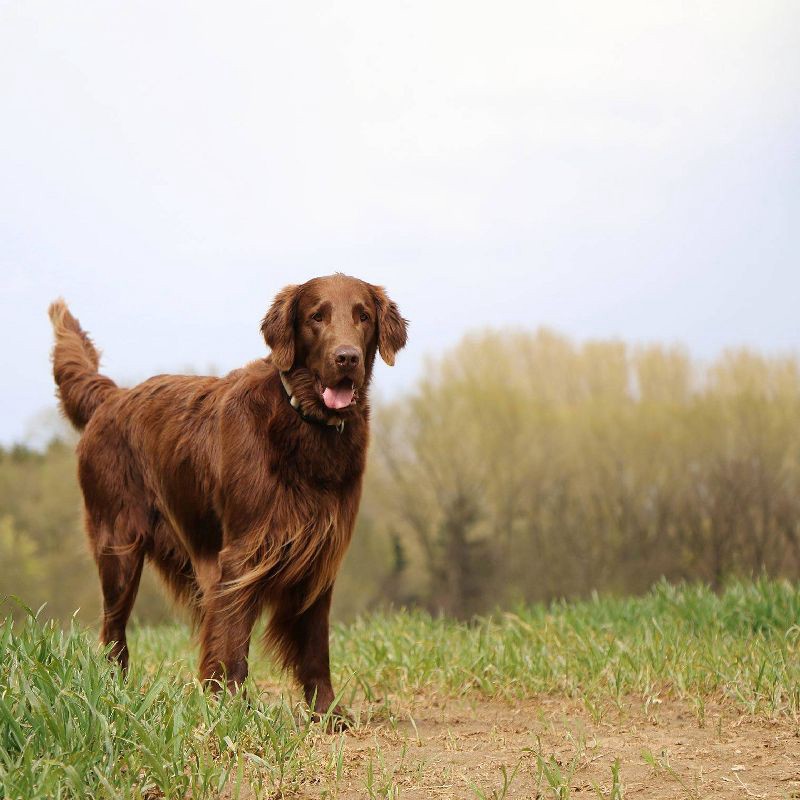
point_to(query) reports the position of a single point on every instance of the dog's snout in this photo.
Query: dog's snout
(347, 356)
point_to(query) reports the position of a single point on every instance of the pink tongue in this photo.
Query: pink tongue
(338, 396)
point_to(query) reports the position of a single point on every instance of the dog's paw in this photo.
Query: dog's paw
(336, 720)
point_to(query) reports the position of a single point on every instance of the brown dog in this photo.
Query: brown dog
(242, 490)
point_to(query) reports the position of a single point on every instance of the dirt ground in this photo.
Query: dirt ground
(669, 749)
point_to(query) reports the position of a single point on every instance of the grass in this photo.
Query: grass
(71, 727)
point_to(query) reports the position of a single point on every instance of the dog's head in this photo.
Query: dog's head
(330, 328)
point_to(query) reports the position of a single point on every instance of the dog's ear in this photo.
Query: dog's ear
(277, 327)
(392, 328)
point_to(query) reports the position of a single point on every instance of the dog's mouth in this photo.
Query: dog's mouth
(339, 396)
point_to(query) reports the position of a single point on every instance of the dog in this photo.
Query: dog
(242, 491)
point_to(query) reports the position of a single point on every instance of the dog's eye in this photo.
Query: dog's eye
(364, 316)
(317, 317)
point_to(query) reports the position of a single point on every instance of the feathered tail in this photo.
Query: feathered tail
(81, 388)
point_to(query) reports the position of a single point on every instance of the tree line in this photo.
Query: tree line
(521, 466)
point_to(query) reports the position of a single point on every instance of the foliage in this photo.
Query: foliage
(42, 544)
(525, 467)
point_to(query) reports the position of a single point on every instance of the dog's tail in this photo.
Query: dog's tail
(81, 388)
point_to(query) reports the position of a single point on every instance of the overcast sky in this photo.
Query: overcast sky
(607, 169)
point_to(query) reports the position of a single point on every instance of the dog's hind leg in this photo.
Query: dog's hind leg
(118, 524)
(119, 551)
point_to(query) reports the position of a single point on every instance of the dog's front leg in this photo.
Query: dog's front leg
(301, 638)
(228, 618)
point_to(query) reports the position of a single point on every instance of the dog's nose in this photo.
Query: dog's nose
(347, 356)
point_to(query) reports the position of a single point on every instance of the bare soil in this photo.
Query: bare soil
(448, 748)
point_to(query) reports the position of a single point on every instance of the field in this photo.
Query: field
(682, 693)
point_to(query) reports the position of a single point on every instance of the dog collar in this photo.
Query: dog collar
(334, 422)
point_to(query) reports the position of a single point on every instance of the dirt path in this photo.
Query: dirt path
(458, 749)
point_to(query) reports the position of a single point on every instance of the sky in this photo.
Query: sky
(617, 169)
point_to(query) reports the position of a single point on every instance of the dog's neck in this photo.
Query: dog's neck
(331, 421)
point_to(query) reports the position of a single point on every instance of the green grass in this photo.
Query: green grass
(70, 727)
(744, 644)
